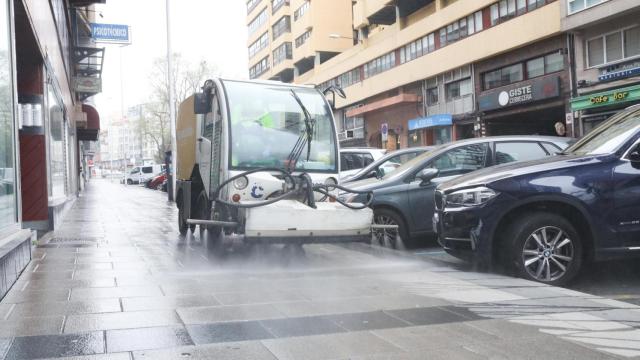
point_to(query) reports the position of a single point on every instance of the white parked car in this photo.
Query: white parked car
(141, 174)
(353, 160)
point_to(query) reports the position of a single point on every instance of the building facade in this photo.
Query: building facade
(604, 38)
(288, 38)
(45, 49)
(417, 71)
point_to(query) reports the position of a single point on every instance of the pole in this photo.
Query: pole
(172, 110)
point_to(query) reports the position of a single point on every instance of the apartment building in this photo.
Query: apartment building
(432, 71)
(604, 38)
(289, 38)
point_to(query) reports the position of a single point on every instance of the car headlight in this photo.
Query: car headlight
(241, 183)
(471, 197)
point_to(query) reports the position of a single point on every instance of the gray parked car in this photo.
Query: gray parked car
(405, 196)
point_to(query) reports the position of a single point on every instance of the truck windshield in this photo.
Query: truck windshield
(266, 122)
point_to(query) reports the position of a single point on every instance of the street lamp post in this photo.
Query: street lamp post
(172, 110)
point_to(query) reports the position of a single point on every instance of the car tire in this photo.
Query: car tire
(389, 238)
(129, 182)
(545, 247)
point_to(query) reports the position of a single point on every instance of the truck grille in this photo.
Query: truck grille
(439, 200)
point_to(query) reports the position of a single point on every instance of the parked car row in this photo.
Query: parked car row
(543, 206)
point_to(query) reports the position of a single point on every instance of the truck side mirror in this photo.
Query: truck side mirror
(202, 103)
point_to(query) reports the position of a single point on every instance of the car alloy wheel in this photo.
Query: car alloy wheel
(547, 254)
(386, 237)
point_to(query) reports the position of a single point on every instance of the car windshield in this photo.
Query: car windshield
(609, 136)
(266, 122)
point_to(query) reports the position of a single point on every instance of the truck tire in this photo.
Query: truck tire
(203, 212)
(182, 222)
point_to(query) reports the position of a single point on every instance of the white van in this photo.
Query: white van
(141, 174)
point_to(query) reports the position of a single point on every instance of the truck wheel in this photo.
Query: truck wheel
(545, 247)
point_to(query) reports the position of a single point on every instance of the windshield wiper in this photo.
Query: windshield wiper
(305, 137)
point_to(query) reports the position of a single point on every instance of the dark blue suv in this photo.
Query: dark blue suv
(548, 217)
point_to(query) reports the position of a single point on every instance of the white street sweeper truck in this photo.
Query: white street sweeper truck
(258, 161)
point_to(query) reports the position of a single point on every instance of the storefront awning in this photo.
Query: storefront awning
(384, 103)
(90, 133)
(431, 121)
(606, 98)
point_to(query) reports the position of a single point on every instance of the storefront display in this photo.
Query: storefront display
(57, 145)
(8, 199)
(595, 108)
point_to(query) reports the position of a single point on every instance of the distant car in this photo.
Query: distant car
(140, 174)
(353, 160)
(546, 217)
(405, 197)
(156, 182)
(387, 164)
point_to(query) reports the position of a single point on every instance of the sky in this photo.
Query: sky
(209, 30)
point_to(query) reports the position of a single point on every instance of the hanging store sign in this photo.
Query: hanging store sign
(431, 121)
(620, 71)
(611, 97)
(110, 33)
(87, 84)
(520, 93)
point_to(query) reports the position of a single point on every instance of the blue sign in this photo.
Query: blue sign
(619, 74)
(112, 33)
(431, 121)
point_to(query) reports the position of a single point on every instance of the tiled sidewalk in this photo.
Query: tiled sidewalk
(117, 282)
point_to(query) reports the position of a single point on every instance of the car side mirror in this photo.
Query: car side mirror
(426, 175)
(372, 174)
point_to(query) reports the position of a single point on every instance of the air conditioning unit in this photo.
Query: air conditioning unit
(349, 134)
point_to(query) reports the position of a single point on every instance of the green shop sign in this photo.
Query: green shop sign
(611, 97)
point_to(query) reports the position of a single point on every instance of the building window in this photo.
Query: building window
(251, 4)
(508, 9)
(579, 5)
(282, 53)
(258, 21)
(8, 172)
(300, 40)
(501, 77)
(553, 62)
(301, 10)
(259, 44)
(457, 89)
(616, 46)
(353, 127)
(282, 26)
(378, 65)
(260, 68)
(535, 67)
(277, 4)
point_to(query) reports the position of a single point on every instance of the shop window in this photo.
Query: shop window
(57, 139)
(8, 200)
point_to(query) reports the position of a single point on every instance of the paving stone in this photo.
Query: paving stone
(334, 346)
(26, 326)
(253, 350)
(168, 302)
(367, 321)
(115, 292)
(68, 284)
(65, 308)
(258, 297)
(18, 296)
(228, 332)
(123, 320)
(302, 326)
(147, 338)
(428, 316)
(203, 315)
(36, 347)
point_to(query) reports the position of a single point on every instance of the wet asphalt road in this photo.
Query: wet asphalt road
(115, 281)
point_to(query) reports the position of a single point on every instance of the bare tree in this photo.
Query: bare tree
(188, 78)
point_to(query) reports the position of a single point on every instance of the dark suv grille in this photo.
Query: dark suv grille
(439, 200)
